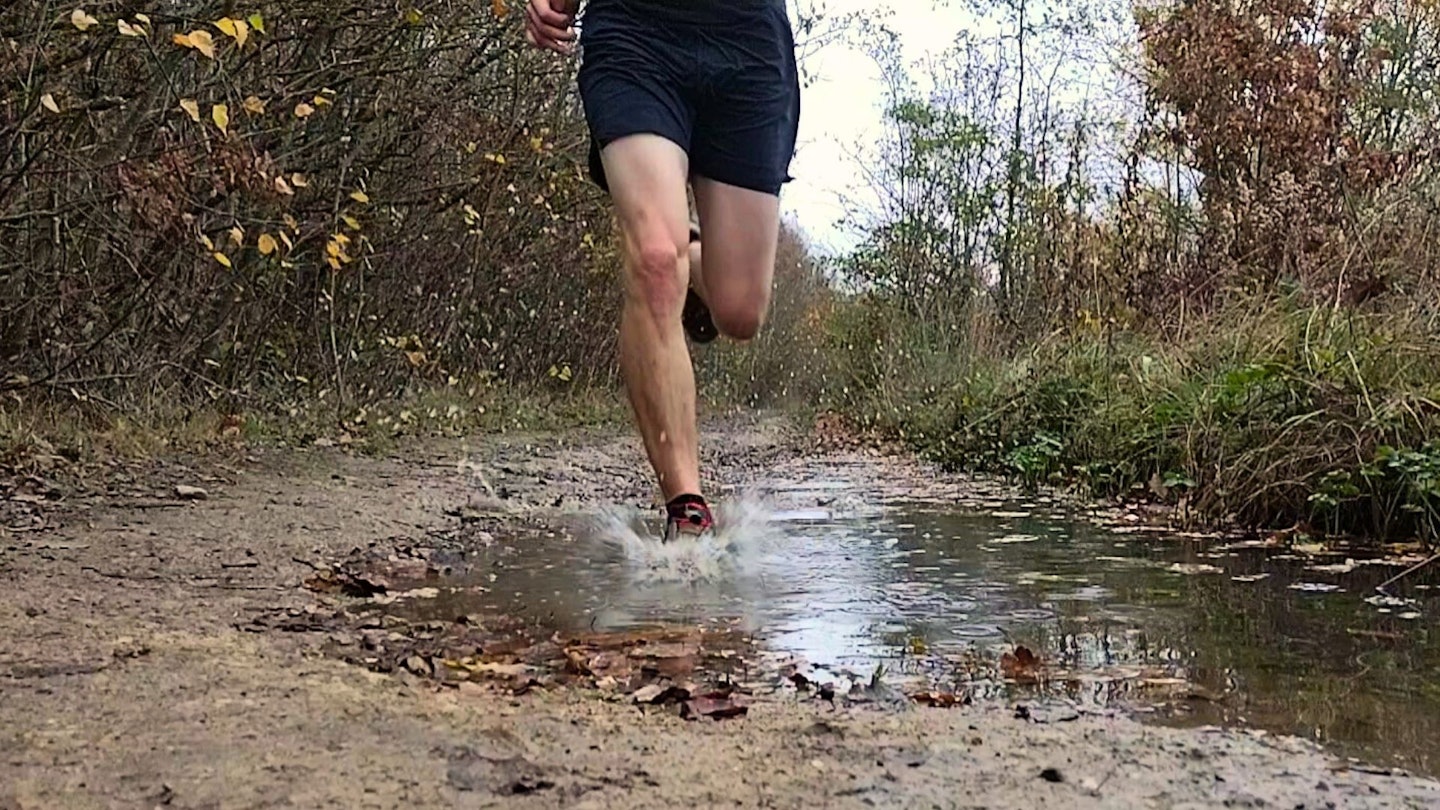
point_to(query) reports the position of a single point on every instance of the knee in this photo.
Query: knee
(656, 283)
(738, 322)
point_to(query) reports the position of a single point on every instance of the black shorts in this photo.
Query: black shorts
(717, 77)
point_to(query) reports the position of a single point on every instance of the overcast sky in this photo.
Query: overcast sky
(841, 109)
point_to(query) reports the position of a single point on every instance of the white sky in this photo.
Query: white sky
(841, 110)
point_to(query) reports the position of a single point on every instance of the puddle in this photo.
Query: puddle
(1191, 631)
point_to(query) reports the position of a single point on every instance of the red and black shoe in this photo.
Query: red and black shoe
(695, 317)
(687, 515)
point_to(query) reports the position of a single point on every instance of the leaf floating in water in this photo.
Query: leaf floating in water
(1336, 568)
(1315, 587)
(1021, 665)
(1381, 600)
(1194, 568)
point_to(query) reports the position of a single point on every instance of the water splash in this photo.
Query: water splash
(735, 548)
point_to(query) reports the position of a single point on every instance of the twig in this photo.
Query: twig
(1412, 569)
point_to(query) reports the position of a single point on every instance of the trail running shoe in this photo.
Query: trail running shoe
(687, 515)
(695, 317)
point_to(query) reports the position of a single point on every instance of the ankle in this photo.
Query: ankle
(686, 498)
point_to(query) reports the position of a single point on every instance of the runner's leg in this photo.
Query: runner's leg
(741, 229)
(646, 175)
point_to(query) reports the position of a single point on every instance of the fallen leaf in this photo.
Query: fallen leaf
(81, 20)
(190, 493)
(943, 700)
(1194, 568)
(656, 695)
(499, 8)
(191, 108)
(1021, 665)
(487, 669)
(716, 705)
(359, 196)
(303, 110)
(202, 42)
(419, 665)
(257, 22)
(267, 244)
(220, 114)
(48, 102)
(223, 259)
(128, 30)
(254, 105)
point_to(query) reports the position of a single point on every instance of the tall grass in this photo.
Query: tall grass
(1271, 412)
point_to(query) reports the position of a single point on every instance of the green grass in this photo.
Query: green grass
(1267, 415)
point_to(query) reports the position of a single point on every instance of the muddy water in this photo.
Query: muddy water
(1186, 630)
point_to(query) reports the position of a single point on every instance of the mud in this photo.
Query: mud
(161, 648)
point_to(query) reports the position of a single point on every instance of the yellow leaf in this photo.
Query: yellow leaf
(191, 108)
(254, 106)
(283, 187)
(183, 40)
(298, 180)
(257, 22)
(205, 240)
(220, 114)
(286, 239)
(333, 262)
(351, 222)
(128, 30)
(341, 239)
(267, 244)
(237, 30)
(81, 20)
(226, 26)
(223, 259)
(203, 42)
(321, 101)
(237, 236)
(143, 19)
(291, 223)
(48, 101)
(303, 110)
(413, 16)
(499, 7)
(360, 196)
(537, 143)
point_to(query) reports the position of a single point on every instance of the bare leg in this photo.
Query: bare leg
(646, 174)
(740, 229)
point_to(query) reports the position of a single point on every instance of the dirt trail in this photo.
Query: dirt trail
(133, 673)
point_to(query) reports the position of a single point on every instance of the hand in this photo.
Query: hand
(548, 24)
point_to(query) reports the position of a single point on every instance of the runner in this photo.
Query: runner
(704, 91)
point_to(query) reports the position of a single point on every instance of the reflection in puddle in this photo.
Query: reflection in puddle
(1209, 634)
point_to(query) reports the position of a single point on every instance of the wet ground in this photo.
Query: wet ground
(238, 631)
(1287, 637)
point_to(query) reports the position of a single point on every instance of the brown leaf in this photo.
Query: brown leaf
(658, 695)
(715, 705)
(1021, 665)
(943, 700)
